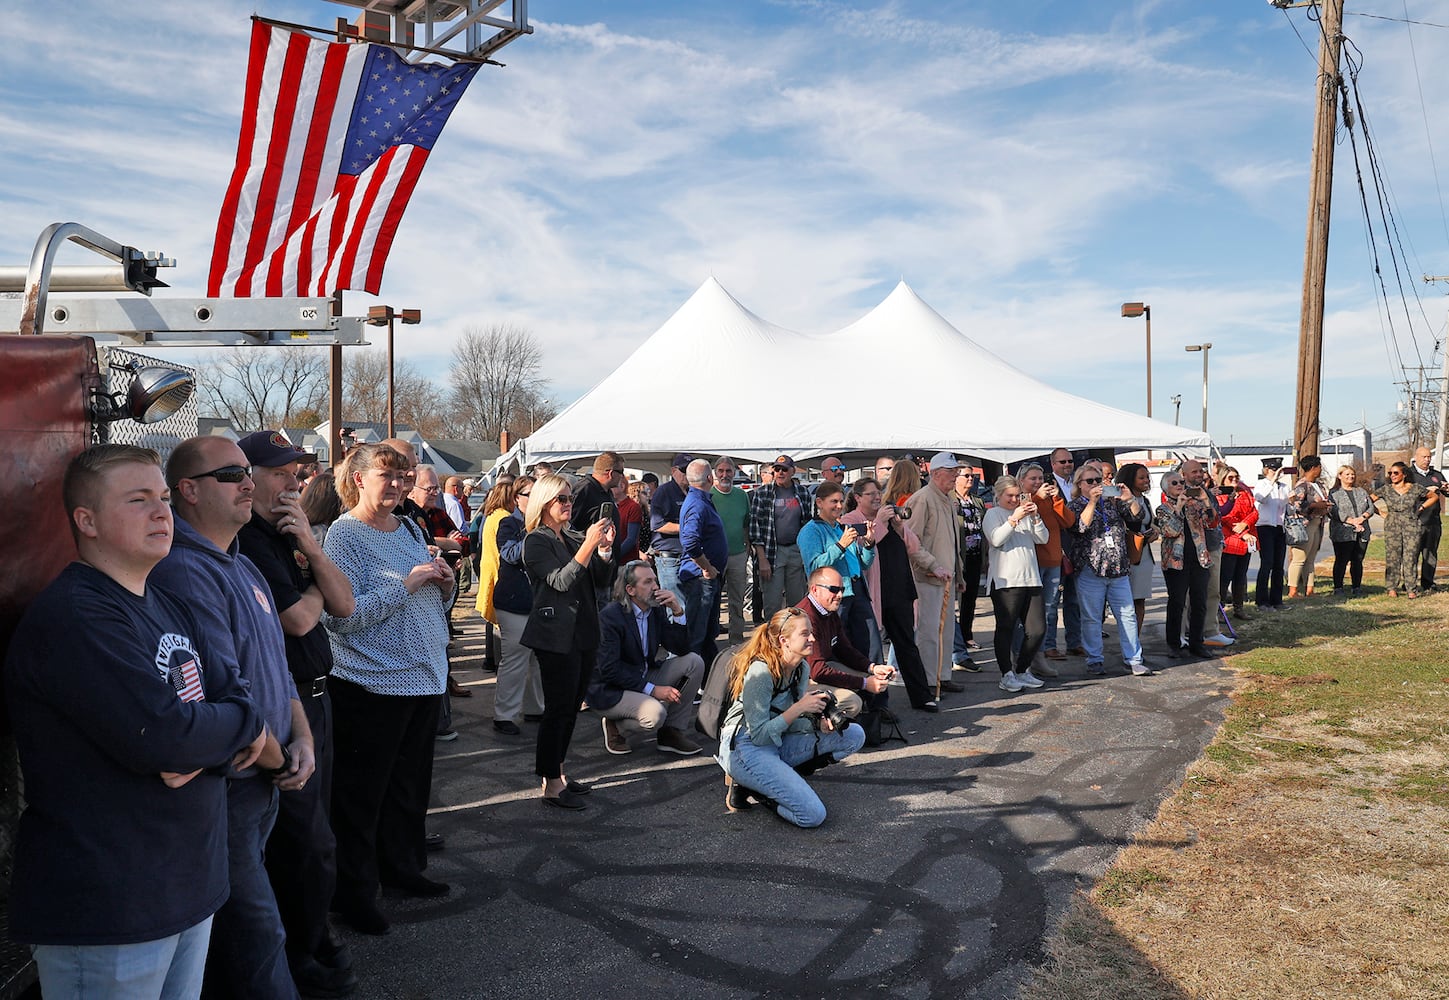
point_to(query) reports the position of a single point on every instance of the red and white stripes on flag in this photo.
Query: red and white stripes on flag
(334, 136)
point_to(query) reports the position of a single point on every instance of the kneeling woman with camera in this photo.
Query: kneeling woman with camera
(776, 732)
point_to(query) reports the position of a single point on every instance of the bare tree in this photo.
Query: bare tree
(264, 387)
(497, 383)
(416, 401)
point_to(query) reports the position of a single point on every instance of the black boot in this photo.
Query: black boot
(814, 764)
(737, 796)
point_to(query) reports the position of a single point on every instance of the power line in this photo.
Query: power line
(1404, 20)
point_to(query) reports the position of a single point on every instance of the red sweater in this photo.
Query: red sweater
(831, 643)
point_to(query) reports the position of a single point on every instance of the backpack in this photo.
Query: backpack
(714, 699)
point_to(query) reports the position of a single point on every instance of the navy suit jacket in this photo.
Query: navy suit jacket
(622, 661)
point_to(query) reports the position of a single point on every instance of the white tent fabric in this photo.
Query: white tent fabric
(777, 390)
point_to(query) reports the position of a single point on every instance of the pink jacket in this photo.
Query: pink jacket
(878, 528)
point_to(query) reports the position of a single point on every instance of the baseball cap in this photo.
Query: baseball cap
(786, 461)
(681, 461)
(944, 460)
(271, 449)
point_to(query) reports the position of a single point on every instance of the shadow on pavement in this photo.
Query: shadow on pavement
(937, 873)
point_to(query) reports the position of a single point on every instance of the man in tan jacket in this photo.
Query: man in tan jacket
(937, 567)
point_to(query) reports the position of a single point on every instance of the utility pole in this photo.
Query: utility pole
(1315, 259)
(1443, 384)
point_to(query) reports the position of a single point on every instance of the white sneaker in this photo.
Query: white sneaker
(1218, 640)
(1029, 679)
(1010, 682)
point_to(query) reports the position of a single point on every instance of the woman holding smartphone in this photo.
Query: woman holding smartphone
(1102, 559)
(1014, 529)
(566, 569)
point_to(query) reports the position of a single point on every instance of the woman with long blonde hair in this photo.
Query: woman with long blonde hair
(774, 733)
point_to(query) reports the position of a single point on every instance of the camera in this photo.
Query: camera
(904, 513)
(833, 713)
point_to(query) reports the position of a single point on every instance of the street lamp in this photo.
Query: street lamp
(1204, 348)
(384, 316)
(1132, 310)
(1176, 408)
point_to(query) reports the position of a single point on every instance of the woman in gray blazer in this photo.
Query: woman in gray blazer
(564, 568)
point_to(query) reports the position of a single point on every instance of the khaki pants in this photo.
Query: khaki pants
(847, 698)
(644, 713)
(736, 583)
(934, 617)
(1302, 557)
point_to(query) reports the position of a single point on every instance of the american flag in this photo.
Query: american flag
(186, 679)
(334, 136)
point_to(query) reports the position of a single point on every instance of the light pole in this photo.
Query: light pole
(1132, 310)
(1176, 408)
(1204, 348)
(384, 316)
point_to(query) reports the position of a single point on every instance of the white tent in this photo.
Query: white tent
(744, 387)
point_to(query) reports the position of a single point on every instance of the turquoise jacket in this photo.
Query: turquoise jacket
(820, 547)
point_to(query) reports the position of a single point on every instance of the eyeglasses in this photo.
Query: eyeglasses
(835, 468)
(564, 501)
(1172, 482)
(225, 474)
(430, 490)
(523, 493)
(833, 590)
(1091, 482)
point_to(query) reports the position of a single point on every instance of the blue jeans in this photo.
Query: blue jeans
(770, 770)
(170, 968)
(701, 614)
(1094, 594)
(1051, 591)
(666, 568)
(249, 959)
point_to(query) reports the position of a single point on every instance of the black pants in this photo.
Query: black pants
(1272, 553)
(971, 575)
(1186, 587)
(382, 780)
(900, 626)
(565, 678)
(1349, 556)
(858, 615)
(1233, 579)
(1023, 605)
(302, 853)
(1429, 550)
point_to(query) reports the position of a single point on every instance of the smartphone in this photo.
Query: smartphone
(606, 511)
(1112, 490)
(1289, 470)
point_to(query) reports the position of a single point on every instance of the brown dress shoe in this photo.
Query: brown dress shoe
(614, 741)
(456, 690)
(673, 740)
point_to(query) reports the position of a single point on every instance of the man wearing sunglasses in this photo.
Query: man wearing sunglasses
(303, 581)
(212, 495)
(834, 663)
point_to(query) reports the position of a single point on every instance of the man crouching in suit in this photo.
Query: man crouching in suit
(634, 688)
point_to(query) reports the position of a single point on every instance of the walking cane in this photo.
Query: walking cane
(941, 637)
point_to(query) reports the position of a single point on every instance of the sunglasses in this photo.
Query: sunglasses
(833, 590)
(225, 474)
(835, 468)
(1091, 482)
(524, 493)
(564, 501)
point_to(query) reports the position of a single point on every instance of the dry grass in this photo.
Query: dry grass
(1316, 829)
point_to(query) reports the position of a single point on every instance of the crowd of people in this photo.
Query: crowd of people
(227, 708)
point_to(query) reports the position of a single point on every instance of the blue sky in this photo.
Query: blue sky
(1025, 167)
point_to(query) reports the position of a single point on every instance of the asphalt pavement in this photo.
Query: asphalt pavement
(937, 873)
